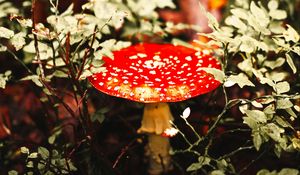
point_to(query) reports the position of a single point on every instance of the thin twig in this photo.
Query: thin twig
(123, 151)
(235, 151)
(36, 45)
(18, 60)
(252, 161)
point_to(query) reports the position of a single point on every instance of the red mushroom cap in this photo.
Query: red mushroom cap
(157, 73)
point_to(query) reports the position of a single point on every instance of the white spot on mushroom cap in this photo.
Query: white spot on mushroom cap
(180, 72)
(152, 72)
(184, 65)
(198, 53)
(132, 67)
(117, 88)
(157, 79)
(113, 74)
(188, 58)
(156, 58)
(133, 57)
(206, 52)
(142, 55)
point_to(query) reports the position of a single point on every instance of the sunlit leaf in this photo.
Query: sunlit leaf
(257, 115)
(291, 34)
(18, 40)
(252, 123)
(218, 74)
(186, 113)
(257, 140)
(278, 14)
(288, 171)
(274, 64)
(256, 104)
(43, 152)
(291, 62)
(273, 131)
(284, 104)
(273, 4)
(33, 155)
(13, 172)
(24, 150)
(282, 87)
(241, 80)
(6, 33)
(283, 122)
(240, 13)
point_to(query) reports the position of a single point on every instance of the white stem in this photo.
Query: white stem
(156, 119)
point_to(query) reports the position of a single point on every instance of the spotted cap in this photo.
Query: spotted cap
(157, 73)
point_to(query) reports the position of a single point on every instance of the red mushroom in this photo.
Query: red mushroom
(155, 74)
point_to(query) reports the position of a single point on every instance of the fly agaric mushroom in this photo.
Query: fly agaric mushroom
(155, 74)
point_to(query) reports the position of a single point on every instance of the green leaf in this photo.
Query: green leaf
(273, 5)
(240, 13)
(270, 109)
(256, 104)
(296, 143)
(100, 114)
(273, 131)
(274, 64)
(219, 75)
(43, 152)
(296, 49)
(204, 160)
(232, 103)
(278, 14)
(33, 155)
(277, 76)
(291, 63)
(24, 150)
(284, 104)
(282, 87)
(217, 172)
(33, 78)
(165, 3)
(291, 112)
(6, 33)
(2, 48)
(289, 171)
(12, 172)
(257, 115)
(194, 167)
(201, 161)
(4, 78)
(18, 40)
(252, 123)
(248, 44)
(266, 172)
(291, 34)
(241, 80)
(246, 66)
(236, 22)
(257, 140)
(282, 122)
(262, 79)
(258, 12)
(212, 21)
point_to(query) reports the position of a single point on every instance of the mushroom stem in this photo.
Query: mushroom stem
(156, 119)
